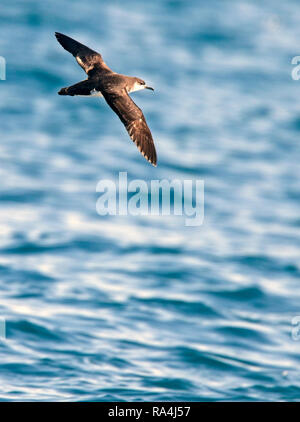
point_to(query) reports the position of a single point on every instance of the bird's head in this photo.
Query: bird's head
(140, 84)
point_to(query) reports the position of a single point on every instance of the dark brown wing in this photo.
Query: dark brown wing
(133, 119)
(88, 59)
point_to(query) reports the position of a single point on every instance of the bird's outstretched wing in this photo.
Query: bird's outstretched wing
(134, 121)
(87, 58)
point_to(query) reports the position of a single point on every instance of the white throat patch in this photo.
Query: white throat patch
(137, 87)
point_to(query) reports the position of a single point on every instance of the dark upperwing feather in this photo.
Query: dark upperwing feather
(87, 58)
(134, 121)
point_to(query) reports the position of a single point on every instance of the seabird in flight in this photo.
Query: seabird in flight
(114, 87)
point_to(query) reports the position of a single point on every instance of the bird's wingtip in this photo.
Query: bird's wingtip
(154, 163)
(58, 35)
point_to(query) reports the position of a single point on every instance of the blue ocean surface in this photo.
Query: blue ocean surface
(146, 308)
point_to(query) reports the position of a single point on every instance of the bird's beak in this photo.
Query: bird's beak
(149, 87)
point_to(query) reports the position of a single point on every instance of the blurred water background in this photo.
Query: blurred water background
(144, 308)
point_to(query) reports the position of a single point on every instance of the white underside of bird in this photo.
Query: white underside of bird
(95, 93)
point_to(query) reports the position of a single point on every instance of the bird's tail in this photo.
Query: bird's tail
(63, 91)
(81, 88)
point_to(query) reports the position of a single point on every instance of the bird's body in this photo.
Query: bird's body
(114, 87)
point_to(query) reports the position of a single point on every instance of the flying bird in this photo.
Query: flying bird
(114, 87)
